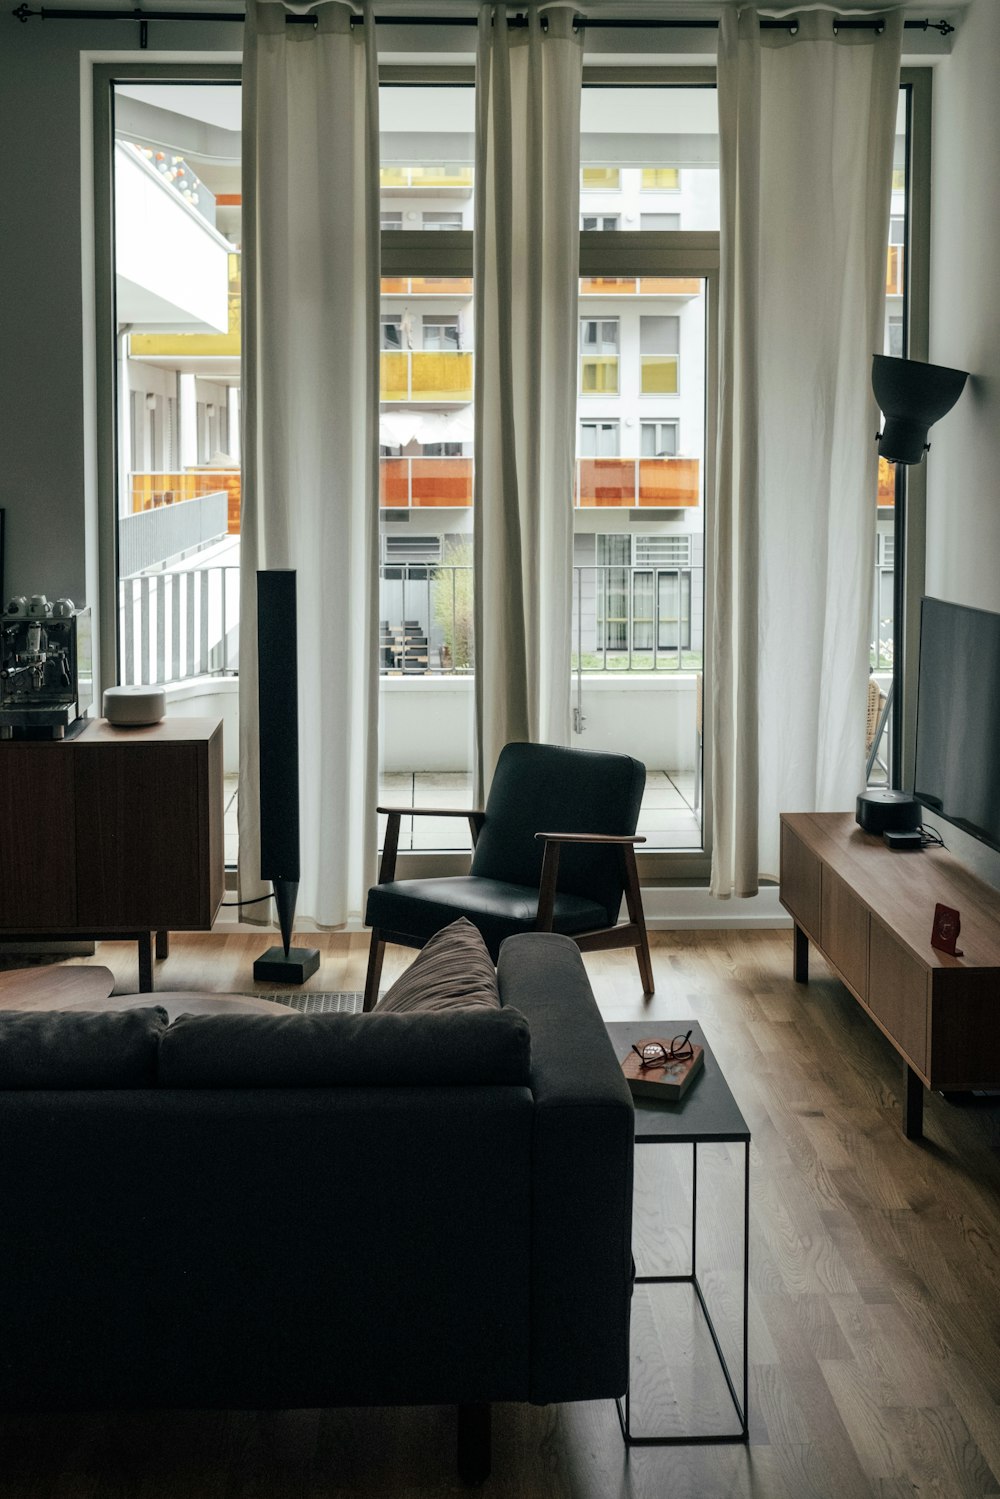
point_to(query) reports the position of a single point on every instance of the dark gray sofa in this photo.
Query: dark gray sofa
(248, 1211)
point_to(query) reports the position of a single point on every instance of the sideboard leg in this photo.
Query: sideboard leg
(474, 1442)
(163, 944)
(913, 1105)
(144, 942)
(800, 961)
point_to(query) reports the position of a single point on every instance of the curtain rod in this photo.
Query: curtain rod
(143, 17)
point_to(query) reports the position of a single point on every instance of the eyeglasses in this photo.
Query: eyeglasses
(658, 1053)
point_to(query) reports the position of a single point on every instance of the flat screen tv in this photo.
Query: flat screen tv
(957, 769)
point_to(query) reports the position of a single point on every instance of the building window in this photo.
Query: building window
(391, 220)
(896, 337)
(441, 331)
(599, 356)
(590, 221)
(659, 349)
(392, 330)
(600, 179)
(441, 449)
(659, 221)
(442, 220)
(600, 439)
(658, 440)
(661, 179)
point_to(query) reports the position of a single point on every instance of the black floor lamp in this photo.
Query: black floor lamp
(912, 397)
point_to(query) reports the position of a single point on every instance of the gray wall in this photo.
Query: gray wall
(47, 483)
(963, 466)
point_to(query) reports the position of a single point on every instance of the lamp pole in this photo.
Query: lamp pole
(898, 626)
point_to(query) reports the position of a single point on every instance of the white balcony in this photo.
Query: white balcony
(172, 266)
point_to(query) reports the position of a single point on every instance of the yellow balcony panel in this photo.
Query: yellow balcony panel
(886, 482)
(439, 375)
(659, 374)
(393, 177)
(600, 179)
(604, 286)
(599, 375)
(393, 376)
(449, 175)
(661, 179)
(669, 482)
(669, 286)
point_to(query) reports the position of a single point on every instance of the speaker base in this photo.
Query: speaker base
(274, 967)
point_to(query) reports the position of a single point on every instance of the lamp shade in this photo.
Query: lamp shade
(912, 397)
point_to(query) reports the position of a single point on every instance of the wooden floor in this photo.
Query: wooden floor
(875, 1285)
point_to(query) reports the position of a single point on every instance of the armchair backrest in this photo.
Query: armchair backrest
(542, 788)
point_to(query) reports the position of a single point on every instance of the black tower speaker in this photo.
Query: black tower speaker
(278, 704)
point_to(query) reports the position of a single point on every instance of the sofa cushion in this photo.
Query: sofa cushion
(80, 1049)
(479, 1046)
(453, 972)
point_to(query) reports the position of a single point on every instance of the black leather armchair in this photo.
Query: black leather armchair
(553, 851)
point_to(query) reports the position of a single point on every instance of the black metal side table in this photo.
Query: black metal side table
(707, 1114)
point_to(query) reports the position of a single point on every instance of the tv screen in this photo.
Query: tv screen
(957, 771)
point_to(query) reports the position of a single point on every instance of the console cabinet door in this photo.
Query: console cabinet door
(845, 931)
(142, 815)
(37, 837)
(899, 994)
(800, 882)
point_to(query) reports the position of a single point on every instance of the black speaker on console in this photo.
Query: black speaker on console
(278, 705)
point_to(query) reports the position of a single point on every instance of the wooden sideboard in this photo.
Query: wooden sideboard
(113, 833)
(869, 910)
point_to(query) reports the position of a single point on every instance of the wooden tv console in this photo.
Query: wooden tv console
(869, 910)
(113, 833)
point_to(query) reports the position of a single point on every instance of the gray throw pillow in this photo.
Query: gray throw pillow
(453, 972)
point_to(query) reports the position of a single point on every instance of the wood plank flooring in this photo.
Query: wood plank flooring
(875, 1284)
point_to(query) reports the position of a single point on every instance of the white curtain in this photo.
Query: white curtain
(310, 414)
(807, 124)
(528, 82)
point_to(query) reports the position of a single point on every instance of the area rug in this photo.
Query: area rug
(345, 1001)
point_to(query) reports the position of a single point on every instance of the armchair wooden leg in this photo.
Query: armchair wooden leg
(375, 955)
(474, 1442)
(633, 900)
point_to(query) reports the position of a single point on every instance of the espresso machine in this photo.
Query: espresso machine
(46, 667)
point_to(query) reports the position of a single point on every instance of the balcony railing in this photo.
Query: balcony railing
(178, 625)
(412, 483)
(427, 286)
(642, 286)
(426, 375)
(637, 618)
(894, 271)
(157, 535)
(625, 483)
(153, 491)
(599, 374)
(659, 374)
(430, 177)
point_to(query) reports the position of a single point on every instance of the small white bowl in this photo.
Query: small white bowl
(132, 707)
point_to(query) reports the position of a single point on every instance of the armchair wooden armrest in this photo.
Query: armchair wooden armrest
(395, 815)
(550, 871)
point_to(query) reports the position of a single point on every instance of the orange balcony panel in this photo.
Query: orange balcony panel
(670, 482)
(670, 286)
(441, 286)
(886, 482)
(894, 271)
(151, 491)
(393, 488)
(596, 286)
(442, 482)
(395, 286)
(606, 481)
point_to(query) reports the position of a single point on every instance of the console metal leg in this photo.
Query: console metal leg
(144, 942)
(913, 1105)
(474, 1442)
(800, 960)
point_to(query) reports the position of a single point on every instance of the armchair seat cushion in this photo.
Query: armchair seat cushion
(419, 908)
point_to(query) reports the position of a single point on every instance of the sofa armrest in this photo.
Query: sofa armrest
(582, 1174)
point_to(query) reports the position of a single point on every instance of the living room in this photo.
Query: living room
(872, 1257)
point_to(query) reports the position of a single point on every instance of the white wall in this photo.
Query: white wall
(963, 466)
